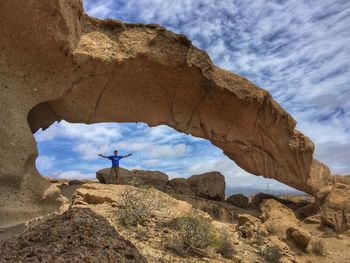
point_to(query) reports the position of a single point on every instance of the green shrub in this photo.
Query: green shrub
(194, 230)
(135, 207)
(272, 254)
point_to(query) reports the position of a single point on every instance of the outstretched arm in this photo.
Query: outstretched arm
(104, 156)
(124, 156)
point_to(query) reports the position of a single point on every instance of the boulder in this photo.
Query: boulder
(299, 237)
(277, 218)
(124, 176)
(260, 197)
(238, 200)
(155, 178)
(180, 186)
(335, 211)
(248, 226)
(208, 185)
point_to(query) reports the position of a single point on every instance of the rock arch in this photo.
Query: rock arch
(58, 63)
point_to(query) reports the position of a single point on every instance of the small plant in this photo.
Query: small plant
(194, 230)
(223, 245)
(146, 186)
(136, 207)
(317, 247)
(272, 254)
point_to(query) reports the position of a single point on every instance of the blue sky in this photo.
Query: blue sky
(298, 50)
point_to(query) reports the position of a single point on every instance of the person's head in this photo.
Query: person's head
(115, 152)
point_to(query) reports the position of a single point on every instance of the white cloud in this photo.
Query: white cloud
(151, 162)
(45, 163)
(74, 174)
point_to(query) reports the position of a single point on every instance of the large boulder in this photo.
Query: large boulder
(180, 186)
(298, 237)
(135, 177)
(158, 179)
(124, 176)
(208, 185)
(260, 197)
(335, 211)
(277, 218)
(238, 200)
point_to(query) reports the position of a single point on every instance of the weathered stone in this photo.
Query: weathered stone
(208, 185)
(238, 200)
(155, 178)
(248, 226)
(180, 186)
(58, 63)
(277, 218)
(124, 176)
(260, 197)
(313, 220)
(298, 237)
(335, 210)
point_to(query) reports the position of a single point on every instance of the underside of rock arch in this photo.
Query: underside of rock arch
(58, 63)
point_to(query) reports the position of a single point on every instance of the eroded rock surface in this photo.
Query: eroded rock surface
(238, 200)
(79, 235)
(209, 185)
(336, 208)
(58, 63)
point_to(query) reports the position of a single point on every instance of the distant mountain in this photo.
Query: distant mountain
(248, 191)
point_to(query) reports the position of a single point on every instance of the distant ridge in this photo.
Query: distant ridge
(248, 191)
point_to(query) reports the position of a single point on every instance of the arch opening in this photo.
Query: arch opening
(70, 151)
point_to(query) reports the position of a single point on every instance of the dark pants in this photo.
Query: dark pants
(113, 177)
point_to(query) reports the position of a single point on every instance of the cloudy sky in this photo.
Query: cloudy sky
(299, 50)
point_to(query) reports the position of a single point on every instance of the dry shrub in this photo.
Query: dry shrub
(272, 254)
(223, 245)
(196, 234)
(136, 207)
(194, 230)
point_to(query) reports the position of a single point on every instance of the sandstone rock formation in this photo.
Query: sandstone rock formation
(238, 200)
(158, 179)
(180, 186)
(249, 226)
(277, 218)
(135, 177)
(58, 63)
(209, 185)
(336, 208)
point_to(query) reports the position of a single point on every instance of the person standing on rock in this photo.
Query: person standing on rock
(113, 177)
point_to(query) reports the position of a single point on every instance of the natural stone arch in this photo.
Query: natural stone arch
(63, 64)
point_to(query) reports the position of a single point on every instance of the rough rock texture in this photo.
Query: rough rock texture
(158, 179)
(208, 185)
(249, 226)
(79, 235)
(135, 177)
(257, 199)
(180, 186)
(238, 200)
(335, 211)
(277, 218)
(58, 63)
(300, 238)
